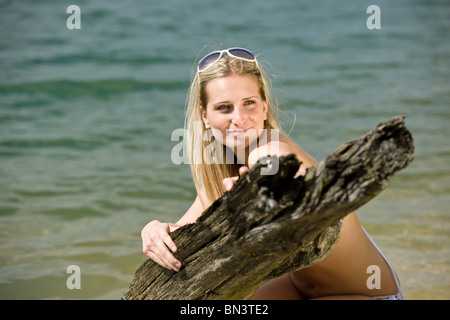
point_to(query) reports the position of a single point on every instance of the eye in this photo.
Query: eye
(249, 102)
(223, 107)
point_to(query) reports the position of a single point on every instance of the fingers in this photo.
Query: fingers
(243, 170)
(158, 252)
(169, 242)
(156, 242)
(161, 251)
(229, 182)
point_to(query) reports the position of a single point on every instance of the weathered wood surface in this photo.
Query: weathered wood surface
(269, 225)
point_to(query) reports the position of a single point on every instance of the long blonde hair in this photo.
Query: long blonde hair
(209, 170)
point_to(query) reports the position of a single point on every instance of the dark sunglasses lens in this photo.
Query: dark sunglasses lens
(242, 53)
(208, 60)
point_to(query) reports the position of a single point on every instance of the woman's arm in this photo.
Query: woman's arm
(281, 147)
(193, 213)
(156, 239)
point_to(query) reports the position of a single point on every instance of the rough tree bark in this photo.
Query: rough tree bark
(270, 225)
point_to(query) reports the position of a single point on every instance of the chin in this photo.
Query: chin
(239, 143)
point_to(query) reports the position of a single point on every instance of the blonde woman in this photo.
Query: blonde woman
(231, 123)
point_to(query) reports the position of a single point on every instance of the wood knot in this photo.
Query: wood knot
(266, 199)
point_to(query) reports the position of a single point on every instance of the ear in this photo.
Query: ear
(204, 118)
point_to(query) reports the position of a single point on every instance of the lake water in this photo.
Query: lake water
(86, 118)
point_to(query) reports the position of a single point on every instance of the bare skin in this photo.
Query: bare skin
(234, 105)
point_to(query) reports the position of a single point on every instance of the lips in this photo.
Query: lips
(236, 132)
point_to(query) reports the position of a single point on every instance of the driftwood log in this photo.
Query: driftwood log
(270, 225)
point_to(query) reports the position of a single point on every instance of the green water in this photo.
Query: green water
(86, 118)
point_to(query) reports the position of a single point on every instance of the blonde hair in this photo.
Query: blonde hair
(208, 174)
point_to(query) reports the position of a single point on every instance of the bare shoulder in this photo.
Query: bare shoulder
(280, 147)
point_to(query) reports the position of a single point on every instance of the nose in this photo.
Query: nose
(238, 118)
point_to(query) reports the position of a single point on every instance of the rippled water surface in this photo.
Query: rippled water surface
(86, 118)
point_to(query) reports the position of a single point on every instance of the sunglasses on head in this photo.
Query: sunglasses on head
(213, 57)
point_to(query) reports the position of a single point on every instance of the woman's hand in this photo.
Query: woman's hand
(156, 242)
(229, 182)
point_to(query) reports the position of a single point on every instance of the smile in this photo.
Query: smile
(236, 132)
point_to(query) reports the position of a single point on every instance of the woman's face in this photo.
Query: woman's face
(235, 110)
